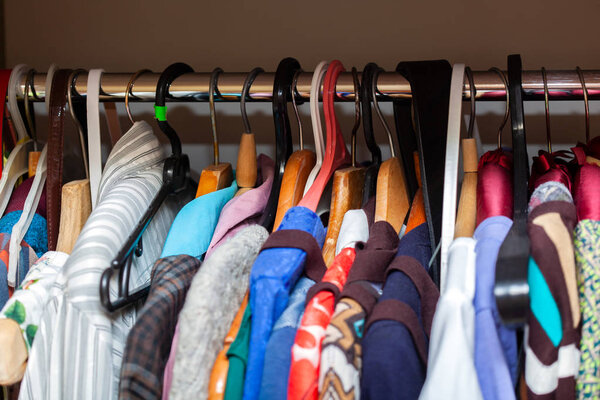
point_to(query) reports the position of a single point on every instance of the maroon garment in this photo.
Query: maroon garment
(549, 167)
(494, 185)
(19, 194)
(586, 185)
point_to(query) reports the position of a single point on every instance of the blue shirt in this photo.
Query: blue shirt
(391, 363)
(495, 344)
(274, 274)
(195, 224)
(278, 357)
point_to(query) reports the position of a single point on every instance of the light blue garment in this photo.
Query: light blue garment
(543, 305)
(278, 358)
(495, 344)
(195, 224)
(274, 275)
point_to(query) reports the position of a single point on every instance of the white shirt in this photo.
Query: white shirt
(451, 370)
(78, 348)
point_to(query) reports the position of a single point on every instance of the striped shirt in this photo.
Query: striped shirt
(79, 346)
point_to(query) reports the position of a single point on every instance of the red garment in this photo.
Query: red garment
(306, 351)
(494, 185)
(550, 167)
(586, 185)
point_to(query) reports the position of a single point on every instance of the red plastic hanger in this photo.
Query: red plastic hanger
(336, 153)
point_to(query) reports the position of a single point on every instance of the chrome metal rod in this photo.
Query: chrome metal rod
(562, 85)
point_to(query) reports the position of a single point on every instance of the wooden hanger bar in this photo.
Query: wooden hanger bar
(562, 85)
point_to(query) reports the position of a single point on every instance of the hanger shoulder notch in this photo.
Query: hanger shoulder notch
(215, 177)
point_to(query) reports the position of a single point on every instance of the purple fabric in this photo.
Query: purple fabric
(495, 345)
(246, 208)
(19, 194)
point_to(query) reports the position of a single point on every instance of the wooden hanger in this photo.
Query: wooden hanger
(297, 170)
(392, 202)
(315, 118)
(348, 185)
(246, 171)
(417, 215)
(336, 153)
(17, 164)
(218, 175)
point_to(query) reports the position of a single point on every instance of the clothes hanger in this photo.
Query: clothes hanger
(467, 205)
(247, 169)
(392, 201)
(17, 164)
(511, 289)
(507, 109)
(451, 167)
(300, 164)
(282, 85)
(317, 125)
(348, 185)
(218, 175)
(176, 173)
(585, 102)
(30, 119)
(336, 153)
(365, 100)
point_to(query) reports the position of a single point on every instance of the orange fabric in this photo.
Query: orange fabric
(417, 212)
(304, 374)
(218, 376)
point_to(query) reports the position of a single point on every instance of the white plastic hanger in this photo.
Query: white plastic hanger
(17, 164)
(451, 165)
(94, 133)
(33, 198)
(315, 117)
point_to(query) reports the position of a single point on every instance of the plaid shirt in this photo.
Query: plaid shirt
(149, 341)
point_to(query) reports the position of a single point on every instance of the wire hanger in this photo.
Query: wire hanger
(511, 289)
(507, 109)
(348, 186)
(129, 90)
(392, 202)
(586, 103)
(282, 91)
(77, 122)
(247, 168)
(218, 175)
(298, 168)
(29, 110)
(547, 109)
(175, 180)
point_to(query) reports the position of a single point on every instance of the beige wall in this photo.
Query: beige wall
(126, 35)
(123, 35)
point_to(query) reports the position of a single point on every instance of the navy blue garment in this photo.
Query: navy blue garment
(397, 332)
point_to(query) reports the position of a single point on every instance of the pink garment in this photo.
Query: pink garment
(239, 212)
(246, 208)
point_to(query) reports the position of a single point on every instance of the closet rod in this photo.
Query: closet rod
(562, 85)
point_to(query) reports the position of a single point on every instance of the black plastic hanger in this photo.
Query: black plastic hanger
(282, 93)
(366, 96)
(511, 289)
(175, 179)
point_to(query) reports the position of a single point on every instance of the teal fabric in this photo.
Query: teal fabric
(543, 305)
(195, 224)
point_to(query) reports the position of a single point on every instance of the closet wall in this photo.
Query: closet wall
(238, 35)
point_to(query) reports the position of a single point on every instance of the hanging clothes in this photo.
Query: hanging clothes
(149, 341)
(552, 332)
(60, 366)
(215, 296)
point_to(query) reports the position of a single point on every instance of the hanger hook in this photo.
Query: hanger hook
(379, 113)
(356, 113)
(29, 109)
(129, 90)
(547, 107)
(214, 77)
(247, 83)
(295, 106)
(587, 104)
(71, 89)
(507, 110)
(473, 97)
